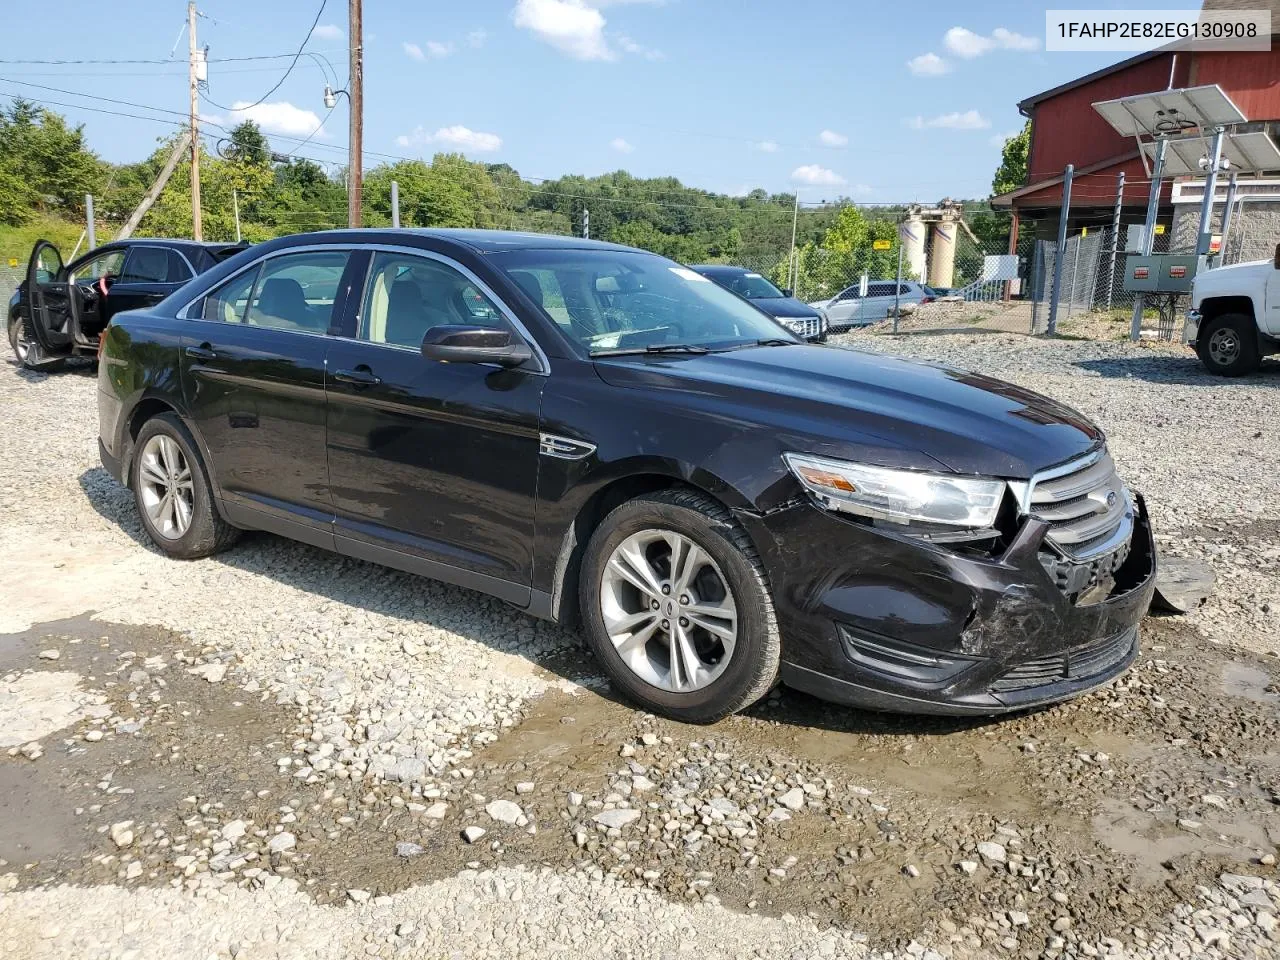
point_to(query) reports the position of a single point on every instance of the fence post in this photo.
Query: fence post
(1075, 276)
(90, 226)
(395, 204)
(1037, 285)
(1063, 214)
(1226, 217)
(1115, 239)
(897, 289)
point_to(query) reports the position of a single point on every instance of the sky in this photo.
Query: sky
(883, 102)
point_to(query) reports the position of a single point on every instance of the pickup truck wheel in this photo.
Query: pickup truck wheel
(1228, 345)
(173, 492)
(676, 607)
(29, 353)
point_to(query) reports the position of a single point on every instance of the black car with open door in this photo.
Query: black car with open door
(61, 310)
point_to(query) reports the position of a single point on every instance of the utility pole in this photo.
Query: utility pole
(794, 272)
(395, 205)
(355, 95)
(1226, 218)
(91, 228)
(197, 228)
(235, 207)
(586, 223)
(1115, 238)
(1063, 215)
(1210, 188)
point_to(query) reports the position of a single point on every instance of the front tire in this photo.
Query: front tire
(172, 490)
(677, 609)
(1228, 345)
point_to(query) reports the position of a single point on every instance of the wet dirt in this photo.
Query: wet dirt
(1119, 802)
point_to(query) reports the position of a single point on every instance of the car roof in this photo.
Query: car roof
(720, 268)
(477, 241)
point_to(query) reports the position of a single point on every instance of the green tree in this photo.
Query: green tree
(45, 166)
(1012, 172)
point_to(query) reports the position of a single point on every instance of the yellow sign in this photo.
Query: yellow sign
(881, 244)
(1084, 231)
(1159, 229)
(13, 261)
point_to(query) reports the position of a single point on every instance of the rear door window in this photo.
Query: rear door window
(146, 264)
(297, 291)
(228, 303)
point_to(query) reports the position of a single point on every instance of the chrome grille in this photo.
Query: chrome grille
(1085, 504)
(802, 326)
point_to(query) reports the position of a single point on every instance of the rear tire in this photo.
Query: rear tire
(28, 352)
(173, 494)
(715, 678)
(1228, 345)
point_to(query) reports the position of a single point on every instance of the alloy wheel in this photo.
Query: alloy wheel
(165, 487)
(1224, 346)
(668, 610)
(21, 347)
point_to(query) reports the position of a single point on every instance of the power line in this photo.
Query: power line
(292, 64)
(170, 61)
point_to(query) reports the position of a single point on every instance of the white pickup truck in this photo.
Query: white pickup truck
(1234, 320)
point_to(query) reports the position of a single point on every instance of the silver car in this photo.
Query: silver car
(849, 308)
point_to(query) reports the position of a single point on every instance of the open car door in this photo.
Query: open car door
(51, 302)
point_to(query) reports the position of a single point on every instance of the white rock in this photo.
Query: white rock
(50, 654)
(504, 811)
(793, 799)
(234, 830)
(93, 736)
(213, 672)
(358, 896)
(616, 819)
(525, 786)
(282, 842)
(968, 866)
(472, 834)
(989, 850)
(436, 811)
(122, 833)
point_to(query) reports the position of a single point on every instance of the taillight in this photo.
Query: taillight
(927, 300)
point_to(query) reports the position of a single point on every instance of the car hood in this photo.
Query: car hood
(846, 403)
(1233, 278)
(785, 307)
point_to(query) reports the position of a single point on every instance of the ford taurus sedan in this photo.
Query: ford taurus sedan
(598, 435)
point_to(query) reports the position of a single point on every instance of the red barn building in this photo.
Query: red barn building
(1065, 129)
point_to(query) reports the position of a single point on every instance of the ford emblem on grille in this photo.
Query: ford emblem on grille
(1111, 499)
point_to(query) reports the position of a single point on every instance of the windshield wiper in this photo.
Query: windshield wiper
(652, 348)
(775, 342)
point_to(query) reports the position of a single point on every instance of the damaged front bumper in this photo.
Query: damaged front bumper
(881, 620)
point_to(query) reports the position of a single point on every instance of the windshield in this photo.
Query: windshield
(611, 300)
(750, 285)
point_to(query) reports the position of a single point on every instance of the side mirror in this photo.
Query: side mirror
(1277, 260)
(788, 292)
(464, 343)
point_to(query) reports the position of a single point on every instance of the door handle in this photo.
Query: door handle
(360, 377)
(202, 352)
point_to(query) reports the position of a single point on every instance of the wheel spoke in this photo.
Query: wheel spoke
(151, 472)
(166, 512)
(627, 622)
(685, 564)
(725, 630)
(182, 512)
(684, 661)
(631, 565)
(634, 643)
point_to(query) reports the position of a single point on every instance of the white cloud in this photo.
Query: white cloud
(630, 46)
(477, 38)
(829, 138)
(572, 27)
(816, 176)
(999, 139)
(414, 51)
(436, 50)
(282, 118)
(968, 120)
(328, 31)
(767, 146)
(928, 65)
(458, 137)
(967, 44)
(621, 145)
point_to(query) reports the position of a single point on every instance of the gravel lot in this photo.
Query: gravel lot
(282, 753)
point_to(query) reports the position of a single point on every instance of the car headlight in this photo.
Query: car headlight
(899, 496)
